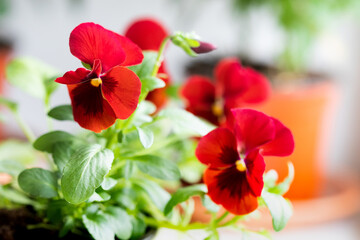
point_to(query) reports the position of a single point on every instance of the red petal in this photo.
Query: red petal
(73, 77)
(239, 85)
(147, 33)
(230, 189)
(121, 88)
(132, 51)
(218, 149)
(200, 95)
(255, 166)
(252, 128)
(283, 143)
(90, 109)
(90, 41)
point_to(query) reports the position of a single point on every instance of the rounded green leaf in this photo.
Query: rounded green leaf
(98, 226)
(47, 141)
(119, 221)
(38, 182)
(62, 112)
(146, 136)
(84, 172)
(157, 167)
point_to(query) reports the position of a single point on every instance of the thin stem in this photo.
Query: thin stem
(192, 226)
(222, 217)
(47, 109)
(24, 127)
(159, 57)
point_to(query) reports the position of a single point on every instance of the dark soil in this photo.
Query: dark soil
(14, 222)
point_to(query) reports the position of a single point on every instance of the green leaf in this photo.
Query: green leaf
(186, 122)
(150, 83)
(15, 196)
(38, 182)
(138, 227)
(209, 204)
(62, 112)
(98, 226)
(108, 183)
(280, 209)
(19, 151)
(84, 172)
(184, 194)
(99, 197)
(13, 106)
(32, 76)
(146, 136)
(145, 68)
(284, 186)
(11, 167)
(69, 224)
(86, 65)
(47, 141)
(156, 193)
(61, 154)
(119, 221)
(157, 167)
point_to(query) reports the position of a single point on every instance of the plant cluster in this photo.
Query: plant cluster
(125, 174)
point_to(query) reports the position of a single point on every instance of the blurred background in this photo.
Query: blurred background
(309, 49)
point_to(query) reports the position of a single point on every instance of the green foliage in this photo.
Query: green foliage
(32, 76)
(63, 112)
(184, 194)
(38, 182)
(157, 167)
(47, 141)
(84, 172)
(280, 209)
(98, 226)
(301, 22)
(186, 41)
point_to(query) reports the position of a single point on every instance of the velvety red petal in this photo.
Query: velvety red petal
(218, 148)
(90, 109)
(258, 86)
(121, 88)
(90, 41)
(147, 33)
(228, 78)
(132, 51)
(255, 166)
(229, 188)
(73, 77)
(199, 93)
(252, 128)
(283, 143)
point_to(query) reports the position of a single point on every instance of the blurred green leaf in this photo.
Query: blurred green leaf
(146, 136)
(144, 69)
(280, 209)
(13, 106)
(47, 141)
(11, 167)
(157, 167)
(119, 221)
(38, 182)
(98, 226)
(32, 76)
(63, 112)
(183, 194)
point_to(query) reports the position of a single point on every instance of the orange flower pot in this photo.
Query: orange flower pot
(308, 111)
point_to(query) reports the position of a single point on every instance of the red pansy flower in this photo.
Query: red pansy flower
(234, 176)
(148, 34)
(235, 86)
(109, 91)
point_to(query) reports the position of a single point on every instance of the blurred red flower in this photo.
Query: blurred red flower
(109, 91)
(148, 34)
(234, 176)
(235, 86)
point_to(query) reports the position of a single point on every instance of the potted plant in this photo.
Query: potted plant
(114, 179)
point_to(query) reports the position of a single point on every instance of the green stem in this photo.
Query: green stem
(222, 217)
(159, 57)
(47, 109)
(152, 222)
(24, 127)
(231, 221)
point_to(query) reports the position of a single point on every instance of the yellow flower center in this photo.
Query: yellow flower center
(96, 82)
(240, 165)
(217, 108)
